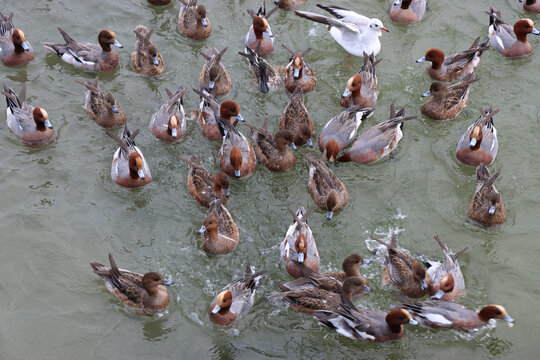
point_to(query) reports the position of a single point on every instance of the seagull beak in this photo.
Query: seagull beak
(385, 29)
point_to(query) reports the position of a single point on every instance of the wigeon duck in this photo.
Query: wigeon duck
(145, 293)
(378, 141)
(531, 6)
(260, 35)
(479, 144)
(219, 232)
(295, 118)
(407, 11)
(236, 155)
(312, 299)
(444, 314)
(204, 187)
(299, 244)
(455, 66)
(159, 2)
(100, 106)
(510, 41)
(404, 272)
(341, 130)
(213, 74)
(129, 168)
(272, 150)
(450, 266)
(299, 73)
(30, 124)
(328, 192)
(446, 102)
(372, 325)
(88, 56)
(288, 4)
(169, 122)
(14, 49)
(356, 33)
(146, 59)
(486, 206)
(193, 21)
(266, 74)
(362, 87)
(235, 298)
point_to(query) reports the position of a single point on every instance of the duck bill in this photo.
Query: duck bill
(397, 2)
(296, 73)
(346, 93)
(301, 258)
(472, 143)
(426, 94)
(240, 117)
(117, 44)
(438, 295)
(491, 210)
(422, 59)
(264, 85)
(202, 230)
(48, 124)
(26, 46)
(204, 22)
(413, 322)
(216, 309)
(174, 133)
(535, 32)
(156, 60)
(309, 143)
(168, 282)
(329, 215)
(367, 288)
(211, 85)
(115, 110)
(293, 146)
(237, 173)
(509, 320)
(141, 174)
(423, 284)
(269, 33)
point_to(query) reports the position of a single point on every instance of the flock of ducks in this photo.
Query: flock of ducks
(328, 296)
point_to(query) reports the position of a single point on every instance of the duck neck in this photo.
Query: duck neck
(212, 234)
(521, 37)
(346, 296)
(106, 47)
(40, 126)
(18, 49)
(133, 174)
(395, 328)
(352, 271)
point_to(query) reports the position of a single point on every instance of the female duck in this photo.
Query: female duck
(272, 150)
(404, 272)
(169, 122)
(328, 192)
(341, 130)
(377, 141)
(486, 206)
(102, 107)
(235, 298)
(30, 124)
(479, 144)
(299, 244)
(129, 168)
(407, 11)
(143, 292)
(455, 66)
(295, 118)
(219, 232)
(266, 74)
(213, 74)
(146, 59)
(362, 87)
(531, 6)
(14, 49)
(447, 102)
(299, 73)
(193, 21)
(260, 35)
(204, 187)
(88, 56)
(510, 41)
(236, 155)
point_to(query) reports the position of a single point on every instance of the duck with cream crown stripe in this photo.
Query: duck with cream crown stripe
(14, 48)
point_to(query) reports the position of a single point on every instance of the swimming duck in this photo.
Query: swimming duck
(266, 74)
(437, 271)
(447, 102)
(102, 107)
(378, 141)
(204, 187)
(295, 118)
(272, 150)
(341, 130)
(510, 41)
(193, 21)
(310, 300)
(213, 74)
(455, 66)
(30, 124)
(299, 73)
(219, 232)
(328, 192)
(299, 244)
(288, 4)
(404, 272)
(479, 144)
(531, 6)
(169, 122)
(88, 56)
(14, 48)
(372, 325)
(129, 168)
(146, 59)
(407, 11)
(486, 206)
(362, 87)
(355, 33)
(236, 155)
(235, 298)
(144, 292)
(260, 35)
(444, 314)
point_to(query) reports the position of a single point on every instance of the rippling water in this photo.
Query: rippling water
(61, 210)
